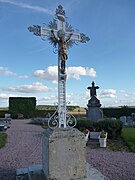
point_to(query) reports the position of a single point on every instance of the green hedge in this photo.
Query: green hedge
(22, 105)
(112, 127)
(118, 112)
(3, 112)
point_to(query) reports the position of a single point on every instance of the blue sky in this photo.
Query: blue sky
(28, 65)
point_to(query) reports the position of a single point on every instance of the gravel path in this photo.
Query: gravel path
(114, 165)
(24, 147)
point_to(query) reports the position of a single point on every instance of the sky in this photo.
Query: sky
(28, 64)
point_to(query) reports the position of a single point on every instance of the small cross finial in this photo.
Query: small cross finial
(93, 89)
(60, 13)
(93, 83)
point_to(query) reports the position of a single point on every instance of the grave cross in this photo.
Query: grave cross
(93, 89)
(60, 34)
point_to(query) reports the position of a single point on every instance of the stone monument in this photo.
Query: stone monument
(94, 111)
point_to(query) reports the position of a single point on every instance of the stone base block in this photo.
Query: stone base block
(64, 154)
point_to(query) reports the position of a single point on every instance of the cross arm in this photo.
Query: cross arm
(80, 37)
(36, 29)
(41, 30)
(84, 38)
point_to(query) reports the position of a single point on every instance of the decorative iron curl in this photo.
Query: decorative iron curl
(55, 51)
(53, 121)
(71, 120)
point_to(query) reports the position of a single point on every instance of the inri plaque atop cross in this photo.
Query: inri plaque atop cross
(62, 36)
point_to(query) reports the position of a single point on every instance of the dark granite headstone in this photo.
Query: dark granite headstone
(94, 110)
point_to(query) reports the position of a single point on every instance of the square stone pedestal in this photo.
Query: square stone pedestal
(64, 154)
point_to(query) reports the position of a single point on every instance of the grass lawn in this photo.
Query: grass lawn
(128, 135)
(3, 138)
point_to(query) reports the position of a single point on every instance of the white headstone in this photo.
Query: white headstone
(123, 119)
(7, 115)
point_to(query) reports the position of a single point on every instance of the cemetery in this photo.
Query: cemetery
(57, 144)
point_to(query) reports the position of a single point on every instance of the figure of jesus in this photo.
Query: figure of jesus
(62, 51)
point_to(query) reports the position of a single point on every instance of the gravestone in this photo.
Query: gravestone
(123, 119)
(129, 121)
(133, 118)
(94, 111)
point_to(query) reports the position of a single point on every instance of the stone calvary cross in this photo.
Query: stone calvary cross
(62, 36)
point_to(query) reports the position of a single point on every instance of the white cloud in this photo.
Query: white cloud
(126, 95)
(6, 71)
(27, 6)
(36, 87)
(108, 93)
(76, 72)
(90, 72)
(23, 77)
(126, 102)
(6, 96)
(49, 98)
(51, 73)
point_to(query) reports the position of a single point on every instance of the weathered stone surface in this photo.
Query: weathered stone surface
(64, 154)
(37, 174)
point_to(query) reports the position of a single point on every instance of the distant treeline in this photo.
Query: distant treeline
(27, 107)
(52, 107)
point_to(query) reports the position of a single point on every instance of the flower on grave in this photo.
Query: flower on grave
(103, 134)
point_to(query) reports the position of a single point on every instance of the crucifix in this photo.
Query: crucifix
(62, 36)
(93, 89)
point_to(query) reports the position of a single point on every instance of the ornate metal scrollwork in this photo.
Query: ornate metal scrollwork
(36, 29)
(53, 121)
(60, 10)
(84, 38)
(71, 120)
